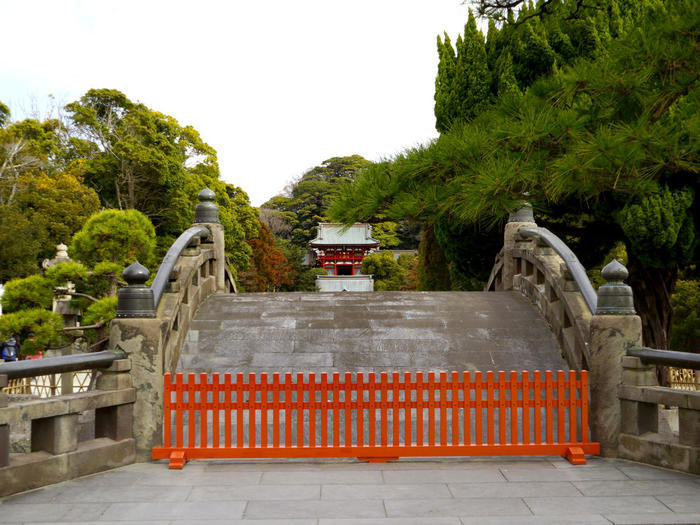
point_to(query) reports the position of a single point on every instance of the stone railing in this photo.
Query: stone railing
(537, 263)
(660, 425)
(67, 436)
(594, 330)
(152, 322)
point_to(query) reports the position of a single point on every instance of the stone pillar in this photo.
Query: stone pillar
(142, 340)
(115, 422)
(206, 214)
(613, 330)
(522, 217)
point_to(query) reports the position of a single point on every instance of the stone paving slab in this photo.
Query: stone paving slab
(464, 491)
(594, 504)
(380, 331)
(457, 507)
(315, 509)
(654, 519)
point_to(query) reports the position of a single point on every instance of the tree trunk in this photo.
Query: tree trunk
(652, 299)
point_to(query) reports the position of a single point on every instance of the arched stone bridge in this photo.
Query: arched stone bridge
(539, 312)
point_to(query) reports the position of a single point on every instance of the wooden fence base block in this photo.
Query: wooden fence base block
(575, 456)
(177, 459)
(378, 459)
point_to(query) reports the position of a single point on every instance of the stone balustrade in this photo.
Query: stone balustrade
(152, 322)
(642, 437)
(58, 451)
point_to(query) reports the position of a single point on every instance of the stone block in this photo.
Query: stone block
(694, 400)
(639, 418)
(3, 380)
(55, 435)
(4, 399)
(689, 427)
(637, 374)
(98, 455)
(4, 445)
(653, 450)
(114, 422)
(29, 471)
(120, 365)
(113, 381)
(191, 252)
(37, 469)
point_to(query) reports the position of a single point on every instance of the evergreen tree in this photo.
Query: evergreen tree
(471, 83)
(445, 107)
(506, 83)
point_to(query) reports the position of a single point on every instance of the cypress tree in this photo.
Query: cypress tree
(471, 72)
(444, 86)
(506, 84)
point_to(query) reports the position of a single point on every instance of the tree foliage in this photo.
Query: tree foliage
(388, 274)
(308, 198)
(269, 269)
(686, 312)
(609, 133)
(45, 325)
(119, 237)
(34, 291)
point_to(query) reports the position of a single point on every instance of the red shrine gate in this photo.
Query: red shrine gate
(456, 414)
(340, 249)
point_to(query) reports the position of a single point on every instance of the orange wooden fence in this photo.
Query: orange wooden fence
(376, 417)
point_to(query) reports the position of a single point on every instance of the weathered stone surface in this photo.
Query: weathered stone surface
(655, 450)
(636, 373)
(380, 331)
(73, 403)
(37, 469)
(638, 418)
(113, 381)
(143, 341)
(56, 435)
(610, 337)
(4, 445)
(114, 422)
(98, 455)
(120, 365)
(689, 426)
(511, 239)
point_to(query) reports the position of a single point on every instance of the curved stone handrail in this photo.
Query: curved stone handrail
(578, 272)
(166, 267)
(539, 265)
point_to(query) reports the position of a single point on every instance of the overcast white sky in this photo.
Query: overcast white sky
(275, 86)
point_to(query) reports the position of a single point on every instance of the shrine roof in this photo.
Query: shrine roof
(332, 233)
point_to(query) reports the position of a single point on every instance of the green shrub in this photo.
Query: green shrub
(34, 291)
(46, 327)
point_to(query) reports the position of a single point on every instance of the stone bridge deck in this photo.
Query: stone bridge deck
(378, 331)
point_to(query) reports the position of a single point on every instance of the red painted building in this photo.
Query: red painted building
(340, 249)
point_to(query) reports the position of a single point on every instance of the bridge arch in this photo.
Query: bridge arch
(541, 267)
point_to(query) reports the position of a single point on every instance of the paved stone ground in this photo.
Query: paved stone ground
(446, 492)
(378, 331)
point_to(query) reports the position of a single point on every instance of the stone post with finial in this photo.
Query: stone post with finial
(522, 217)
(138, 332)
(206, 213)
(614, 329)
